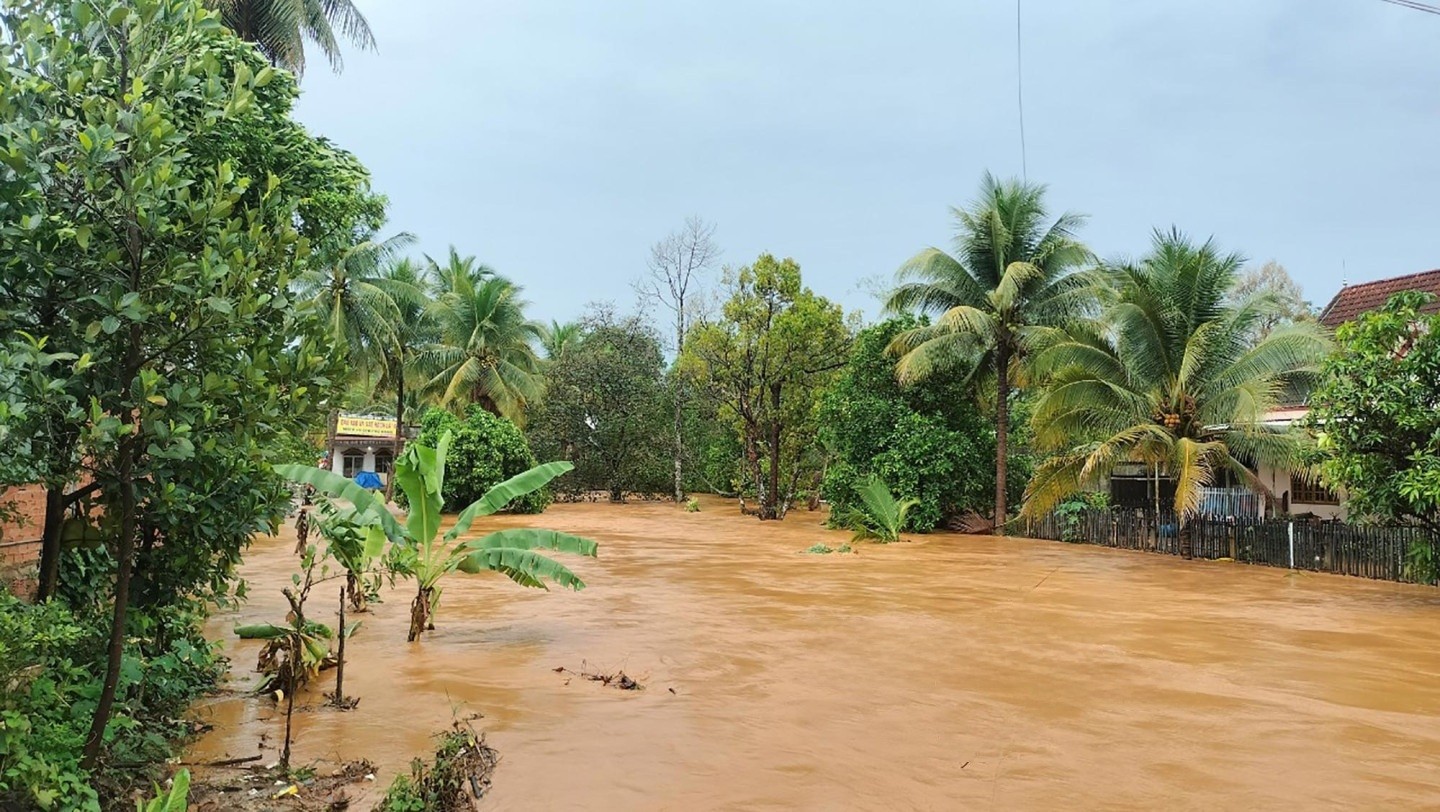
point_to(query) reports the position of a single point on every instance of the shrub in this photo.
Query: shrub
(51, 668)
(929, 442)
(486, 450)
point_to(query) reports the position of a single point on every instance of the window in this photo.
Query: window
(383, 458)
(1305, 492)
(354, 462)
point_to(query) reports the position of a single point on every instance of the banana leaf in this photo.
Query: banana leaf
(506, 492)
(339, 487)
(524, 567)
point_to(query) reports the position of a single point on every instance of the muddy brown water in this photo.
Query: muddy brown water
(945, 673)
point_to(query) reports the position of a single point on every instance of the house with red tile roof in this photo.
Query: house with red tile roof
(1292, 494)
(1352, 300)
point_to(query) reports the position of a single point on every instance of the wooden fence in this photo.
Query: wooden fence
(1344, 549)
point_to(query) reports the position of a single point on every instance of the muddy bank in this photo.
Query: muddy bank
(950, 672)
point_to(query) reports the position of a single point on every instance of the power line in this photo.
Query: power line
(1020, 90)
(1428, 8)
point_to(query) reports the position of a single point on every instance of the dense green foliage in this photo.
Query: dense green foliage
(605, 409)
(1172, 377)
(156, 200)
(51, 667)
(485, 451)
(764, 361)
(926, 439)
(1377, 412)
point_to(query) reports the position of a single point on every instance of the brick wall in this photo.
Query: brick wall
(20, 540)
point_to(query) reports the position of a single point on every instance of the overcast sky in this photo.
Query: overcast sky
(557, 139)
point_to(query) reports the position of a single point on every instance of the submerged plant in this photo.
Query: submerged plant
(357, 542)
(692, 505)
(429, 556)
(299, 648)
(819, 549)
(879, 516)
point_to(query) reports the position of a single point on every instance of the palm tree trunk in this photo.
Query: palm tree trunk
(1002, 433)
(399, 436)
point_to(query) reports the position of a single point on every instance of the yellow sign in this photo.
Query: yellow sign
(354, 426)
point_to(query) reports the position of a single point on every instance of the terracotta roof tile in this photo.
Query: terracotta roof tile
(1353, 300)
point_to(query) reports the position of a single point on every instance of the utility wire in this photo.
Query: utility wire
(1428, 8)
(1020, 89)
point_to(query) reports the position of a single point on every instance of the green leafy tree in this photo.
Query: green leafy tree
(149, 147)
(485, 347)
(1007, 285)
(510, 552)
(280, 28)
(766, 360)
(484, 451)
(927, 439)
(603, 407)
(1170, 378)
(1376, 411)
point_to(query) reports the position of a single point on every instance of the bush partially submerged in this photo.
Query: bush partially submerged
(459, 776)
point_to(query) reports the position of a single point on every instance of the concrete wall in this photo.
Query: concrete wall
(1278, 482)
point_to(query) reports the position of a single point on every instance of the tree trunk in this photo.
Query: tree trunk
(679, 446)
(331, 430)
(340, 657)
(399, 434)
(124, 556)
(1002, 434)
(419, 615)
(50, 543)
(1184, 539)
(770, 505)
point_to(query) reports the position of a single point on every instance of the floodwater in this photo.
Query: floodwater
(952, 672)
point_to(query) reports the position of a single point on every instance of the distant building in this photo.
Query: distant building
(365, 443)
(1353, 300)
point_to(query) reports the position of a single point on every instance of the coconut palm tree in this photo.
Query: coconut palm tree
(350, 291)
(279, 28)
(347, 291)
(455, 266)
(1008, 284)
(1172, 376)
(560, 336)
(485, 347)
(407, 284)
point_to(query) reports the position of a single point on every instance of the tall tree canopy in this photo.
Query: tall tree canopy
(485, 349)
(1169, 377)
(767, 357)
(604, 407)
(1377, 413)
(1006, 287)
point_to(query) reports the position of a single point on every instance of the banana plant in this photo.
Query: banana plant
(357, 542)
(420, 473)
(880, 516)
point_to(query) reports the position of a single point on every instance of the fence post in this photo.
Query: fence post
(1290, 530)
